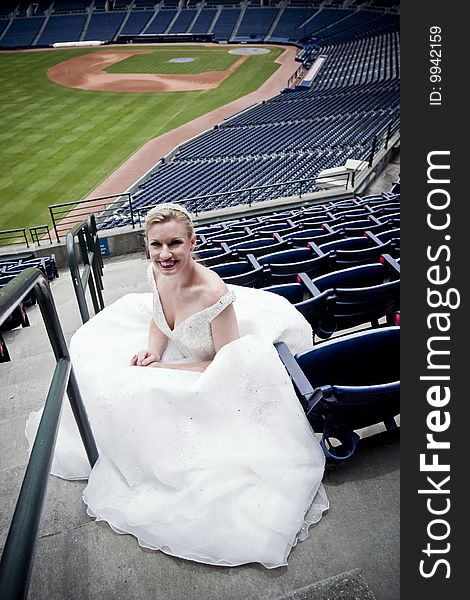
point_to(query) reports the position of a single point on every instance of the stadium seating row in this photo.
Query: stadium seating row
(47, 22)
(9, 269)
(348, 289)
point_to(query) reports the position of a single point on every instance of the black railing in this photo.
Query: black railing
(40, 232)
(249, 195)
(13, 237)
(65, 215)
(18, 554)
(90, 256)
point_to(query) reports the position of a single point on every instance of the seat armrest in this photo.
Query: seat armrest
(389, 262)
(314, 248)
(301, 384)
(373, 238)
(308, 284)
(252, 261)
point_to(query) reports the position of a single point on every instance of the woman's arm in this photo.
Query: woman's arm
(225, 328)
(157, 342)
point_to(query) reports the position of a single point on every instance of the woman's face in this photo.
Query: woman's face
(170, 246)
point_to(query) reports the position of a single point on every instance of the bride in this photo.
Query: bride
(204, 450)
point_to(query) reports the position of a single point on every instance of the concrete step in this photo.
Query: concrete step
(345, 586)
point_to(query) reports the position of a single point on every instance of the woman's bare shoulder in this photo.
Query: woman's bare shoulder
(212, 286)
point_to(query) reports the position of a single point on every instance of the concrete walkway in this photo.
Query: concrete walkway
(352, 553)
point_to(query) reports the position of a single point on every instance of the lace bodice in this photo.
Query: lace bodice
(193, 336)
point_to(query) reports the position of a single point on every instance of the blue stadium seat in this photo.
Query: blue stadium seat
(284, 266)
(346, 384)
(248, 273)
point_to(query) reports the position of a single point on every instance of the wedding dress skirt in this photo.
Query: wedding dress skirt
(219, 467)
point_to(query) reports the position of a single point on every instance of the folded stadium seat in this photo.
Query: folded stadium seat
(318, 220)
(282, 228)
(313, 308)
(284, 266)
(280, 217)
(390, 217)
(215, 256)
(248, 273)
(242, 224)
(381, 199)
(388, 207)
(346, 384)
(372, 199)
(209, 230)
(351, 251)
(347, 217)
(361, 295)
(202, 243)
(351, 214)
(392, 220)
(311, 211)
(390, 236)
(232, 237)
(47, 264)
(354, 228)
(260, 246)
(321, 235)
(344, 204)
(294, 292)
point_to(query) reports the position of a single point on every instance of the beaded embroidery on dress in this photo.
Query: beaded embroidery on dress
(219, 467)
(192, 337)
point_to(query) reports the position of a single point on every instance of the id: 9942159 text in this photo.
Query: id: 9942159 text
(435, 69)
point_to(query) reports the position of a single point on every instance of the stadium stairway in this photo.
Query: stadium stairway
(353, 552)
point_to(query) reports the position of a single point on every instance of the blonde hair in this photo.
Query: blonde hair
(162, 213)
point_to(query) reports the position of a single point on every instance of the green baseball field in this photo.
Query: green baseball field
(58, 143)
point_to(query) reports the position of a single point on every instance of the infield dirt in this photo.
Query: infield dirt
(88, 73)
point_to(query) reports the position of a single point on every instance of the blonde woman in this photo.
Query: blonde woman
(205, 452)
(192, 305)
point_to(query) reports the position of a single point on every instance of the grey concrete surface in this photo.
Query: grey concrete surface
(387, 177)
(345, 586)
(353, 552)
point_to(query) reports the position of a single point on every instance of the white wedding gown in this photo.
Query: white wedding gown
(219, 467)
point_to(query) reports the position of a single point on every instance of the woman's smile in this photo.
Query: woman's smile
(168, 264)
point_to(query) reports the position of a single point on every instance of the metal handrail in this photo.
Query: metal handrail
(35, 231)
(91, 275)
(10, 237)
(140, 212)
(65, 215)
(18, 554)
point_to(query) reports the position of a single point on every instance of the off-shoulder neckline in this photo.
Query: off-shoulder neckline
(229, 293)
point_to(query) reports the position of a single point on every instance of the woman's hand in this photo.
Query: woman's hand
(144, 358)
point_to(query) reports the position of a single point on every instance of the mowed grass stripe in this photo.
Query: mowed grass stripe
(58, 144)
